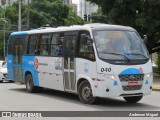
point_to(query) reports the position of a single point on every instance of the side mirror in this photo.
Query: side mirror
(145, 39)
(86, 40)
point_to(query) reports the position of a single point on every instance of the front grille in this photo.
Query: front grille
(130, 78)
(135, 77)
(129, 88)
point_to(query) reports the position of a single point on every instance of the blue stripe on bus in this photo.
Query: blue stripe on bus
(19, 33)
(146, 82)
(10, 66)
(27, 66)
(130, 71)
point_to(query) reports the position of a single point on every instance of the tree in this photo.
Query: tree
(43, 12)
(148, 22)
(52, 12)
(143, 15)
(106, 5)
(72, 18)
(98, 17)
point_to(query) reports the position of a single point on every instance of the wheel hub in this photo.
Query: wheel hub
(28, 82)
(86, 92)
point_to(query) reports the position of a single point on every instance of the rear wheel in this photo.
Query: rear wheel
(10, 81)
(85, 93)
(30, 86)
(133, 99)
(1, 81)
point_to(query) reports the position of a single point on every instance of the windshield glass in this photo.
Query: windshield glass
(120, 45)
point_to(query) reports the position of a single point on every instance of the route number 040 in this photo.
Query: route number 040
(105, 69)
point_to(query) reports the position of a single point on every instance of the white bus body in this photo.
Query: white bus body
(89, 74)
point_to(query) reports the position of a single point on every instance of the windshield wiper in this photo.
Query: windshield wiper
(118, 54)
(137, 54)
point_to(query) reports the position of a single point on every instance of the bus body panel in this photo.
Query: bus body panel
(10, 66)
(86, 69)
(50, 72)
(111, 80)
(28, 67)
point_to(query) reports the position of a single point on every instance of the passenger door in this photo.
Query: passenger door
(69, 61)
(19, 50)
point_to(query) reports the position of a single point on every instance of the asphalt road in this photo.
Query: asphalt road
(15, 98)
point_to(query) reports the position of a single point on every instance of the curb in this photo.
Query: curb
(18, 83)
(156, 89)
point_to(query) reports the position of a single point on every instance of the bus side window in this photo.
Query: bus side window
(86, 51)
(44, 44)
(11, 45)
(57, 44)
(31, 50)
(53, 43)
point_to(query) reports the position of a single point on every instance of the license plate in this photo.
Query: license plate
(132, 83)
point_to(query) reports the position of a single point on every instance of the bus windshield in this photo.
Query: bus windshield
(120, 45)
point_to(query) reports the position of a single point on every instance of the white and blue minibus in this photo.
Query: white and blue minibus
(93, 61)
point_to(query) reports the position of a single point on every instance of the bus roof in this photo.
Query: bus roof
(93, 26)
(19, 33)
(99, 26)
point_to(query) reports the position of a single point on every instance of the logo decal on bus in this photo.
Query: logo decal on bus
(86, 68)
(36, 63)
(141, 70)
(58, 64)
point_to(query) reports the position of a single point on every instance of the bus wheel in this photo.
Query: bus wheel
(133, 99)
(29, 83)
(85, 93)
(10, 81)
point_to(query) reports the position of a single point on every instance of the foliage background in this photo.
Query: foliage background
(42, 12)
(143, 15)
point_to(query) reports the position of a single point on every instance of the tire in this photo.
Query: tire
(133, 99)
(30, 86)
(86, 98)
(29, 83)
(1, 81)
(10, 81)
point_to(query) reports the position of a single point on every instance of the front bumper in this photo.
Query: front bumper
(113, 88)
(3, 77)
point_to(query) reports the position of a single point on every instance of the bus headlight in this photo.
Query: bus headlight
(111, 76)
(149, 75)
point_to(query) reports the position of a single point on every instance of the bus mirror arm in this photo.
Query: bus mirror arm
(145, 39)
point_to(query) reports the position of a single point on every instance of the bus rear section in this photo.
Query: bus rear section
(16, 49)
